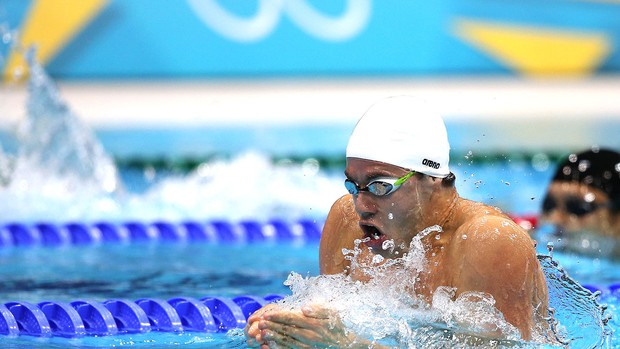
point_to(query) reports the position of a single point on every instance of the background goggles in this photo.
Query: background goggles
(378, 187)
(572, 204)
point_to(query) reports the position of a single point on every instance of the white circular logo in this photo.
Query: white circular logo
(251, 29)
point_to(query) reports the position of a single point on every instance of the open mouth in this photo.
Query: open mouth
(371, 231)
(374, 236)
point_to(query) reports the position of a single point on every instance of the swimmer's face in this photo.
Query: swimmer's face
(575, 207)
(390, 217)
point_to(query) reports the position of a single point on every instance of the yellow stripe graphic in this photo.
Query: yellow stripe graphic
(50, 25)
(536, 51)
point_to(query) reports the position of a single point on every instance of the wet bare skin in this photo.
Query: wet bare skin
(496, 257)
(501, 263)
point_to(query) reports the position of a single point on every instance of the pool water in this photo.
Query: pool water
(166, 270)
(150, 340)
(158, 270)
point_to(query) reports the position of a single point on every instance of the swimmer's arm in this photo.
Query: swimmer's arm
(340, 230)
(312, 327)
(499, 258)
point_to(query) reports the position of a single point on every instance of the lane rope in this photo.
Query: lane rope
(119, 316)
(219, 231)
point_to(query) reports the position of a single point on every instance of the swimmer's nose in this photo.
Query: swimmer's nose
(364, 204)
(557, 216)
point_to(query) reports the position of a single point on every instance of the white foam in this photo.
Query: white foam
(386, 310)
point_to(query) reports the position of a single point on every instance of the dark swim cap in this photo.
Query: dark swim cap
(599, 168)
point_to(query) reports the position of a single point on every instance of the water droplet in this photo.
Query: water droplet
(377, 259)
(388, 245)
(390, 215)
(585, 243)
(550, 248)
(540, 162)
(583, 165)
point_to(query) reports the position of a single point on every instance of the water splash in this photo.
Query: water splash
(582, 321)
(55, 144)
(247, 186)
(61, 172)
(6, 167)
(581, 242)
(58, 159)
(392, 315)
(385, 310)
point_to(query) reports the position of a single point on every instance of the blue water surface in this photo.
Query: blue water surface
(159, 270)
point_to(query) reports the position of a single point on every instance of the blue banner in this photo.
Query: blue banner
(293, 38)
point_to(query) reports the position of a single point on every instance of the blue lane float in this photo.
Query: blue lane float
(118, 316)
(8, 324)
(612, 290)
(30, 319)
(219, 231)
(64, 319)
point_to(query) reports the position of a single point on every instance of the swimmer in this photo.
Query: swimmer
(583, 200)
(399, 184)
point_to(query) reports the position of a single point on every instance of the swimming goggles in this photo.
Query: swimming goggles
(379, 187)
(572, 205)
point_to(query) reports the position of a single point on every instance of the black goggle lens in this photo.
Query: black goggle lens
(549, 204)
(572, 205)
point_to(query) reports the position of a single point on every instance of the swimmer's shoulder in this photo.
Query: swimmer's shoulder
(344, 203)
(342, 212)
(484, 224)
(340, 231)
(492, 246)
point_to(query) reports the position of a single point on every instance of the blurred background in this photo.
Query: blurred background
(276, 74)
(175, 84)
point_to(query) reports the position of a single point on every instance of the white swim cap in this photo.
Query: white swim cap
(405, 132)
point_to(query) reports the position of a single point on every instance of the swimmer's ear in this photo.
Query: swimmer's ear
(317, 311)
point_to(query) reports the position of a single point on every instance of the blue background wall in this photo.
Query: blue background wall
(172, 39)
